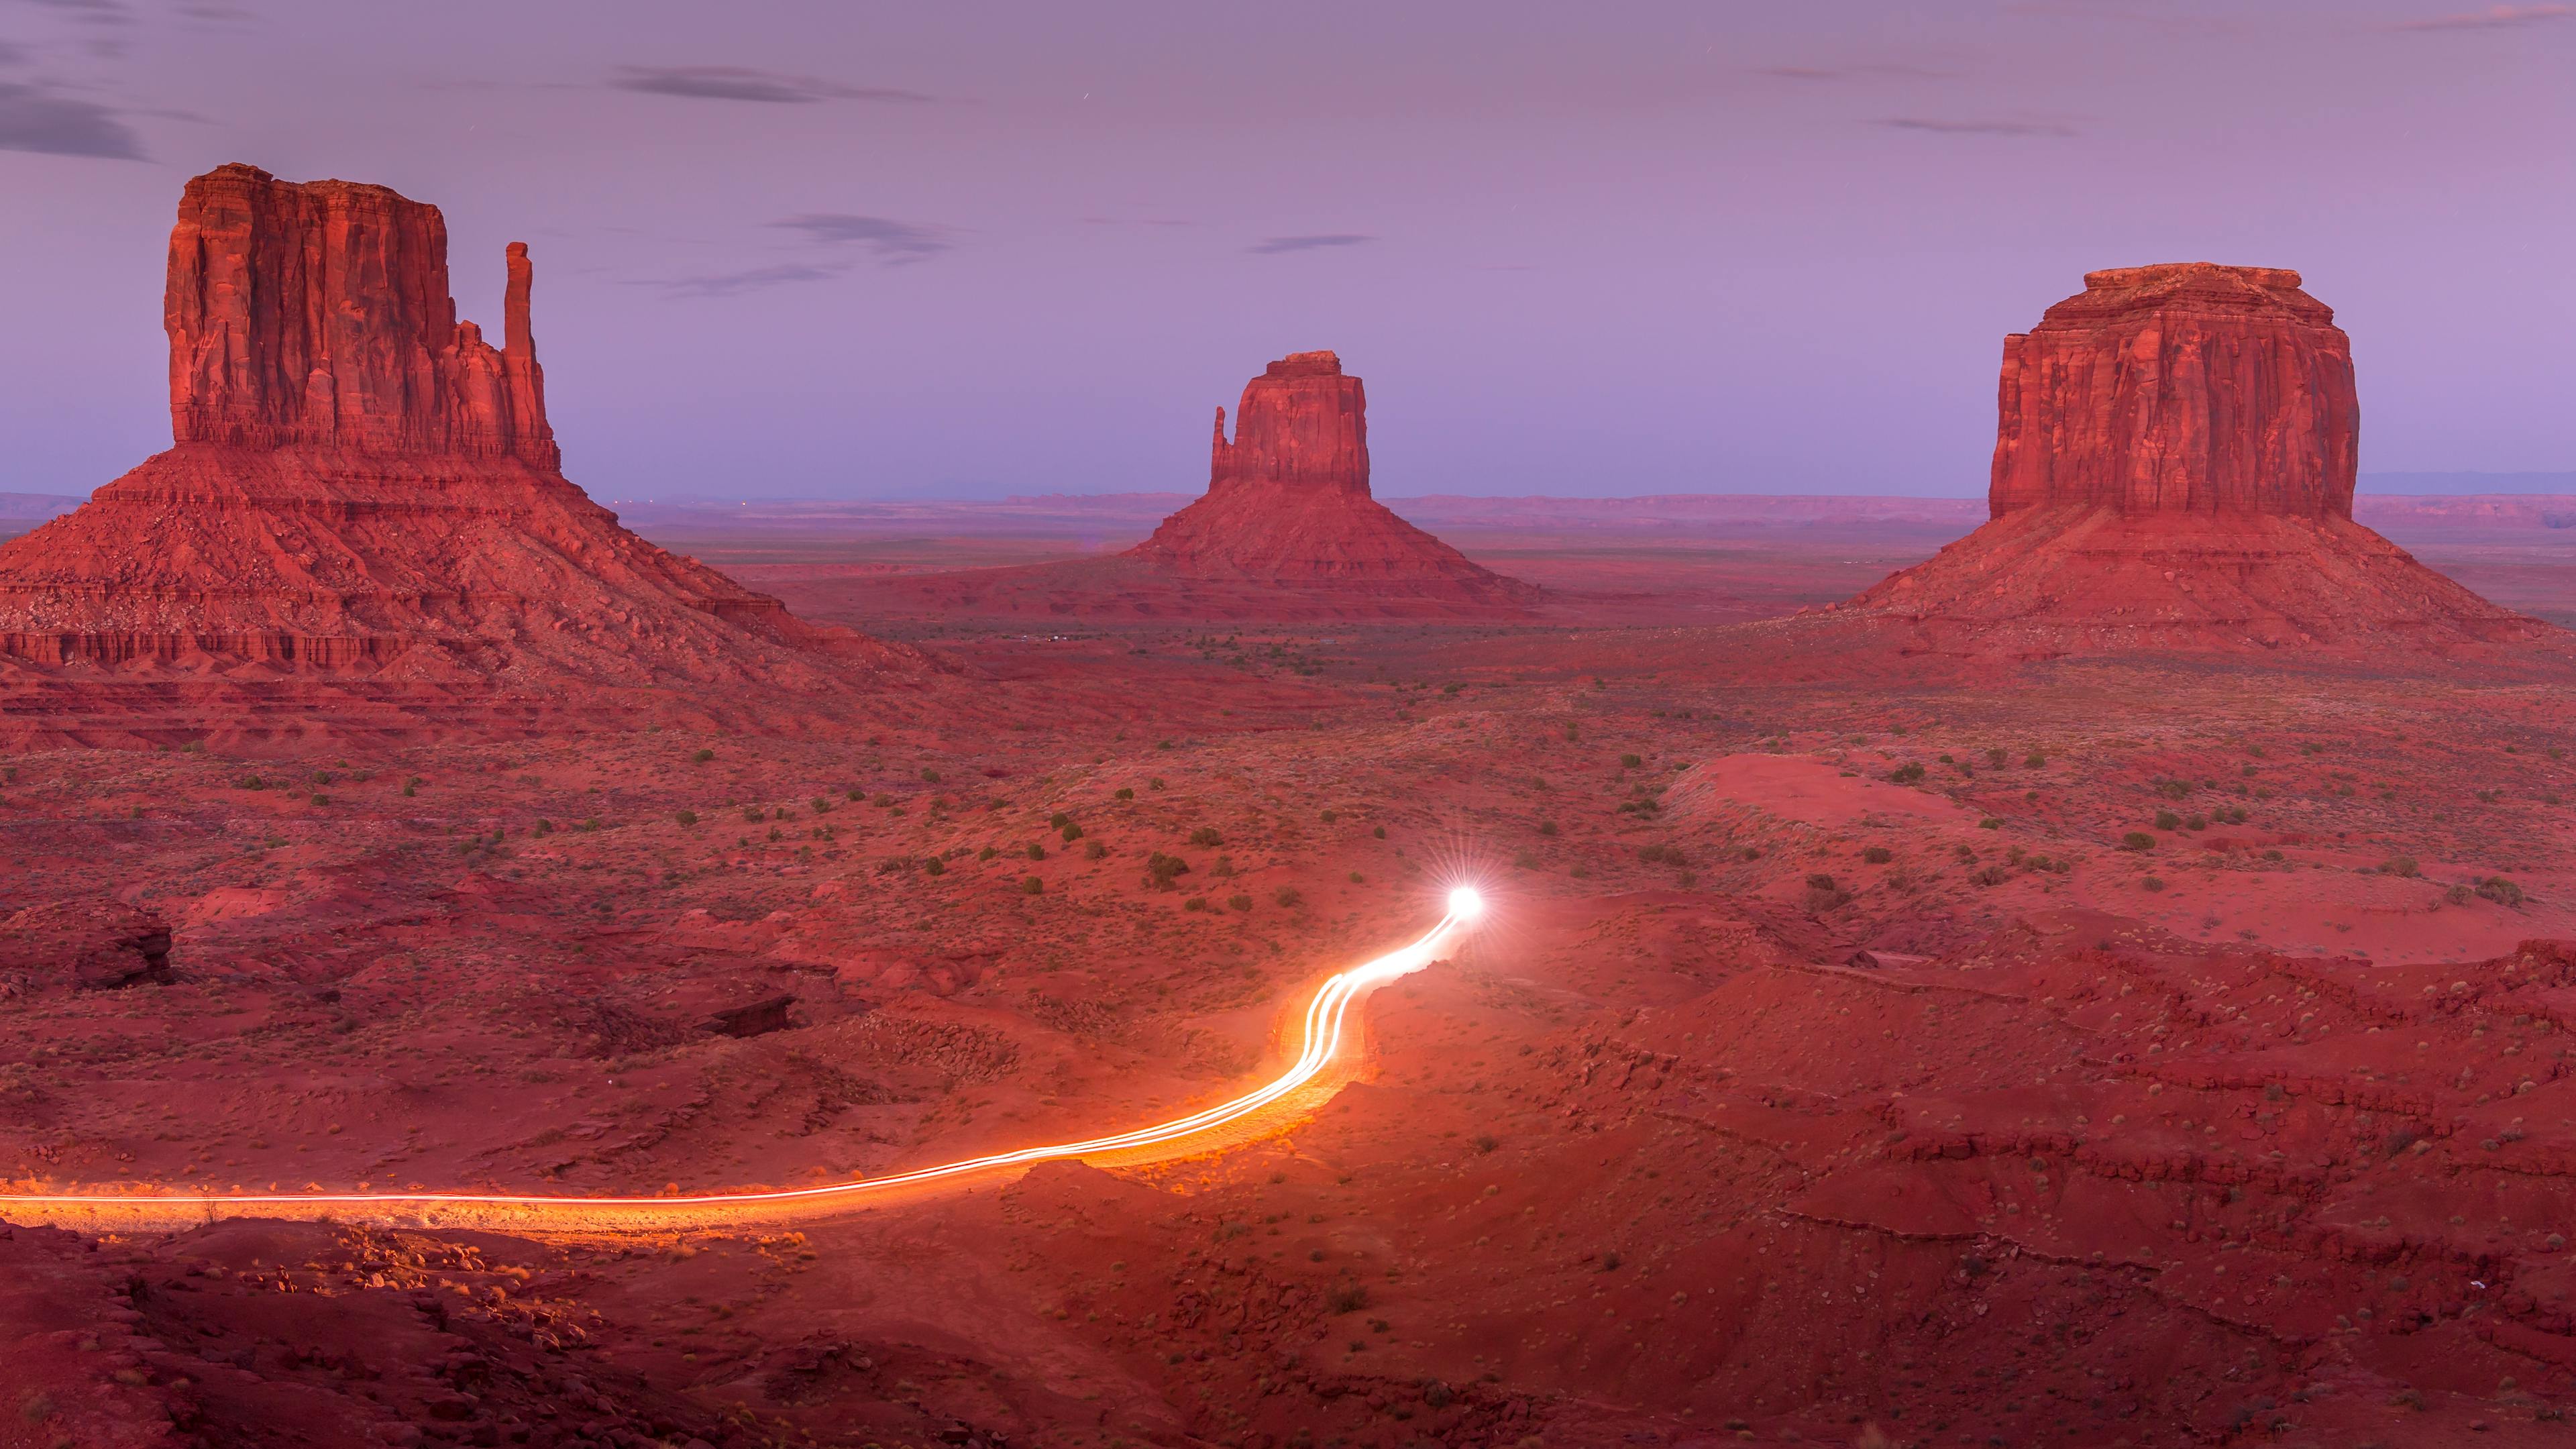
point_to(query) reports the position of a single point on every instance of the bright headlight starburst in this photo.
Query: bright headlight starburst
(1466, 904)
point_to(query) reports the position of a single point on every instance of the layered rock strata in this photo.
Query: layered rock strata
(2174, 463)
(1288, 500)
(362, 488)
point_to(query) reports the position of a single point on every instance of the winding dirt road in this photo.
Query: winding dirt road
(1283, 1099)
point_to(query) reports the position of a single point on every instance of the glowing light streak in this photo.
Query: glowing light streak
(1323, 1045)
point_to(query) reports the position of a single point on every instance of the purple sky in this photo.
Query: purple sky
(969, 249)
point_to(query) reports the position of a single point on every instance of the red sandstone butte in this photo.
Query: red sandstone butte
(2174, 463)
(1288, 500)
(364, 502)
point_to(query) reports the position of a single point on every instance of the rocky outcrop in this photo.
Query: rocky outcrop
(365, 490)
(1288, 502)
(2173, 469)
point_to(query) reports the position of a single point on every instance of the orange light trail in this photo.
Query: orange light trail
(1323, 1046)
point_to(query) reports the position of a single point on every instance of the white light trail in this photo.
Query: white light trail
(1324, 1044)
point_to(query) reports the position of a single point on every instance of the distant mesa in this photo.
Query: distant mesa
(1286, 531)
(1288, 499)
(365, 505)
(2174, 466)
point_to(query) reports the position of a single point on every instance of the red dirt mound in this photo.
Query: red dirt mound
(2174, 469)
(364, 504)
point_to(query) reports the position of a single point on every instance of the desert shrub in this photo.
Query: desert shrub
(1094, 850)
(1206, 835)
(1906, 774)
(1878, 855)
(1611, 1260)
(1154, 783)
(2274, 855)
(2167, 820)
(1990, 823)
(1071, 832)
(1630, 762)
(1126, 792)
(2137, 840)
(1347, 1298)
(1571, 732)
(2195, 822)
(1162, 869)
(1992, 875)
(687, 817)
(930, 775)
(1238, 903)
(1331, 815)
(988, 853)
(1525, 860)
(1547, 827)
(1996, 758)
(2399, 865)
(1484, 1142)
(2151, 883)
(881, 800)
(1195, 903)
(934, 866)
(2501, 891)
(2034, 760)
(1032, 886)
(1357, 878)
(702, 756)
(1820, 882)
(1035, 851)
(2173, 789)
(1285, 896)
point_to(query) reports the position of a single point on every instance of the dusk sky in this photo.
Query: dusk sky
(974, 249)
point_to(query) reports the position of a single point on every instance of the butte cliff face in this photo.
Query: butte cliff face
(317, 314)
(1288, 502)
(2174, 461)
(364, 510)
(2190, 389)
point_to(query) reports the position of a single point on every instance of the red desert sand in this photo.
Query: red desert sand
(1994, 1019)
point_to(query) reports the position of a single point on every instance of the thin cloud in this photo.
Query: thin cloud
(1847, 72)
(1941, 126)
(11, 54)
(741, 83)
(90, 12)
(894, 243)
(2495, 17)
(33, 118)
(1272, 246)
(727, 284)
